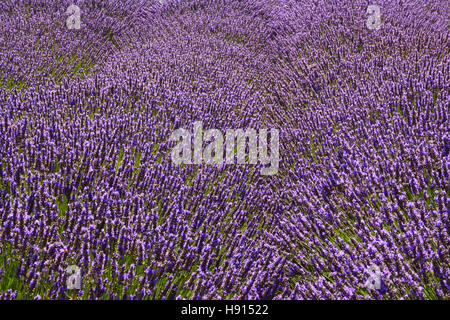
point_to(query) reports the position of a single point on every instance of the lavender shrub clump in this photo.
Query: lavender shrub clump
(86, 177)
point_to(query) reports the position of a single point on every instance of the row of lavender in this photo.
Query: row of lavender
(86, 177)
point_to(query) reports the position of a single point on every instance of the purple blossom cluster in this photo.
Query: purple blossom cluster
(86, 176)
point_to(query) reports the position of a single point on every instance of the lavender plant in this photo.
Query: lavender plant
(87, 179)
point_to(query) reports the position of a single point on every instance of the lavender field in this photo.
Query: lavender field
(92, 205)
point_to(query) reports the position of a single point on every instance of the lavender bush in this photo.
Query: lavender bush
(86, 176)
